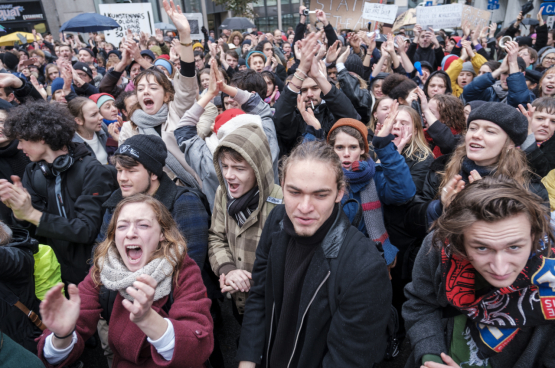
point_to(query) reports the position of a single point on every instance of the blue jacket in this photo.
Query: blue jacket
(486, 88)
(187, 210)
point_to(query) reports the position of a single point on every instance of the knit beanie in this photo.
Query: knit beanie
(354, 64)
(149, 150)
(456, 39)
(87, 50)
(246, 42)
(447, 60)
(197, 44)
(165, 64)
(84, 67)
(506, 117)
(547, 52)
(362, 129)
(475, 104)
(254, 52)
(156, 50)
(533, 76)
(149, 53)
(57, 84)
(226, 116)
(467, 67)
(342, 39)
(10, 60)
(115, 52)
(241, 62)
(101, 98)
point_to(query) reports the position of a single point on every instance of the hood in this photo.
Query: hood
(251, 143)
(447, 79)
(21, 239)
(80, 150)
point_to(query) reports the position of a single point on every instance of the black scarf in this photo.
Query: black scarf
(242, 207)
(495, 315)
(468, 165)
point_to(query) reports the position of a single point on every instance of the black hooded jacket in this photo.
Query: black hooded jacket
(17, 275)
(12, 162)
(72, 228)
(447, 80)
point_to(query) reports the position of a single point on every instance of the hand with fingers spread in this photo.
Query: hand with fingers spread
(484, 32)
(307, 113)
(321, 16)
(239, 280)
(179, 20)
(333, 52)
(433, 37)
(59, 314)
(406, 137)
(528, 113)
(450, 190)
(540, 17)
(38, 87)
(387, 127)
(343, 57)
(417, 30)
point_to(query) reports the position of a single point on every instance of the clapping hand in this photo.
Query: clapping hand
(333, 52)
(453, 186)
(58, 313)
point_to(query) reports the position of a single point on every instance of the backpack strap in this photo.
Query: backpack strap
(9, 297)
(358, 216)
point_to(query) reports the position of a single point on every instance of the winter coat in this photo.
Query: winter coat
(456, 67)
(86, 90)
(71, 238)
(347, 270)
(360, 98)
(189, 315)
(186, 209)
(14, 354)
(488, 89)
(429, 54)
(17, 274)
(542, 159)
(186, 91)
(102, 136)
(109, 84)
(429, 321)
(12, 162)
(549, 182)
(230, 246)
(290, 124)
(441, 136)
(197, 153)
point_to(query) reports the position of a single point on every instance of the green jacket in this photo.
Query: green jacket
(230, 246)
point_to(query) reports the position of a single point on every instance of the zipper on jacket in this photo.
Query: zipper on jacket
(270, 338)
(304, 314)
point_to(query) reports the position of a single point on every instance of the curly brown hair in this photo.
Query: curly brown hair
(173, 248)
(451, 112)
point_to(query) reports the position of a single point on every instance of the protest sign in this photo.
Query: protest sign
(137, 17)
(343, 14)
(380, 12)
(452, 16)
(196, 23)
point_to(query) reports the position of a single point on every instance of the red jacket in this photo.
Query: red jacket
(189, 314)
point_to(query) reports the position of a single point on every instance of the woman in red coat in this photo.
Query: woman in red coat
(144, 258)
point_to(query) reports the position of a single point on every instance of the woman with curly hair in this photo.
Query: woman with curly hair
(445, 122)
(161, 315)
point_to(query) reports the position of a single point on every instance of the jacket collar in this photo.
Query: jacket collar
(166, 194)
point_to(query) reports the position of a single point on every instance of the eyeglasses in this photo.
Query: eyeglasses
(550, 59)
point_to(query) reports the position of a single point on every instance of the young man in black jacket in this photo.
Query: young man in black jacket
(62, 191)
(320, 100)
(321, 294)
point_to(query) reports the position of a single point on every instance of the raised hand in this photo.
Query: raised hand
(344, 56)
(159, 35)
(492, 29)
(58, 313)
(450, 190)
(466, 29)
(423, 99)
(307, 113)
(310, 47)
(528, 114)
(179, 20)
(10, 80)
(385, 130)
(273, 96)
(417, 30)
(321, 16)
(143, 294)
(539, 16)
(333, 52)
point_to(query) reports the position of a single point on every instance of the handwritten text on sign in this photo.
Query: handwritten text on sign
(380, 12)
(444, 16)
(342, 14)
(136, 17)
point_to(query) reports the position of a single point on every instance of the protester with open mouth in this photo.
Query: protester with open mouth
(547, 83)
(481, 280)
(160, 315)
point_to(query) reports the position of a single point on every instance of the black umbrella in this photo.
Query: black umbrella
(237, 23)
(528, 22)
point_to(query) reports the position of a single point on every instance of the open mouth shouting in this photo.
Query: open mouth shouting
(346, 164)
(134, 253)
(148, 103)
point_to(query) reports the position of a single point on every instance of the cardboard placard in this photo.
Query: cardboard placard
(380, 12)
(137, 17)
(452, 16)
(342, 14)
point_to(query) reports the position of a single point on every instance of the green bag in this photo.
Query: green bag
(47, 271)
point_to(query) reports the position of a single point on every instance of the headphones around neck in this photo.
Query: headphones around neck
(61, 163)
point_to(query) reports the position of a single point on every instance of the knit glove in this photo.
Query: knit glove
(359, 166)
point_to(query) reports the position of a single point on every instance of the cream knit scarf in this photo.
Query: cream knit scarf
(116, 276)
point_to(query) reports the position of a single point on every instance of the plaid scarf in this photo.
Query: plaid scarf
(495, 317)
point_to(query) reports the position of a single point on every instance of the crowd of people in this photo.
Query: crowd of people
(347, 190)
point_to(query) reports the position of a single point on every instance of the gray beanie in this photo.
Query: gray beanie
(467, 67)
(546, 52)
(507, 117)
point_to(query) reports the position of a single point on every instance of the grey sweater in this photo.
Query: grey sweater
(430, 329)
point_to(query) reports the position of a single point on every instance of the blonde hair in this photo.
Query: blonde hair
(173, 248)
(418, 147)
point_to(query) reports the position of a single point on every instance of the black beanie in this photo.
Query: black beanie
(83, 67)
(10, 60)
(354, 64)
(149, 150)
(507, 117)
